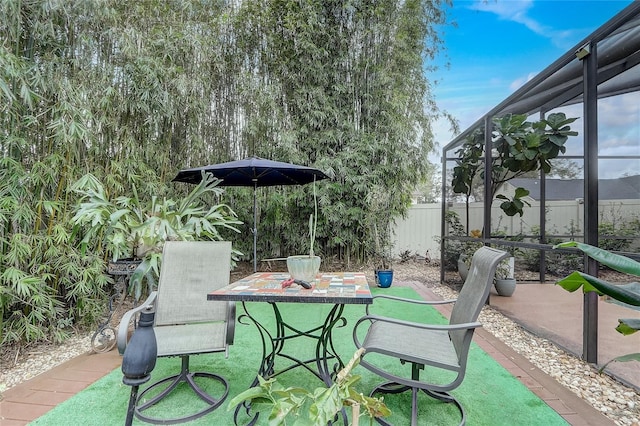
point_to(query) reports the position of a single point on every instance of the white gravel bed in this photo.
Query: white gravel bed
(613, 399)
(40, 358)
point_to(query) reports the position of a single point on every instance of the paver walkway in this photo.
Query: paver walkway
(550, 312)
(29, 400)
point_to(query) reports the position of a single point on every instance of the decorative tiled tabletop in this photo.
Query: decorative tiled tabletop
(328, 287)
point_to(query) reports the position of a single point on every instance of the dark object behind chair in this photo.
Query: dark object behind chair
(438, 346)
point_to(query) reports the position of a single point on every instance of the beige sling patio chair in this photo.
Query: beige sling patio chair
(186, 323)
(434, 346)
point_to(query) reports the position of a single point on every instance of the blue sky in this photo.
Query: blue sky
(498, 45)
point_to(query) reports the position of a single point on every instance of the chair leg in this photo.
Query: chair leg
(390, 387)
(395, 388)
(414, 406)
(188, 378)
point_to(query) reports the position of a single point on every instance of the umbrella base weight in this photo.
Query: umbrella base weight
(303, 267)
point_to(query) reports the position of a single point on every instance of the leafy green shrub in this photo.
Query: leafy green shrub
(556, 263)
(312, 408)
(452, 248)
(124, 227)
(46, 285)
(612, 235)
(519, 147)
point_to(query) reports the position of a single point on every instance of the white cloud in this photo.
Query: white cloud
(619, 148)
(504, 9)
(619, 130)
(613, 169)
(517, 11)
(519, 82)
(609, 110)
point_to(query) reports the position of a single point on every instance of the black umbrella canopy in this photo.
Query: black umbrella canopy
(254, 171)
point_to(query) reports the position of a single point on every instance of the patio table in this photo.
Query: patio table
(334, 288)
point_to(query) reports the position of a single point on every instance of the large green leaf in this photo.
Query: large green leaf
(623, 358)
(612, 260)
(254, 393)
(521, 192)
(626, 293)
(628, 326)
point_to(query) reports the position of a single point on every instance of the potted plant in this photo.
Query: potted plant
(306, 267)
(504, 279)
(383, 270)
(317, 407)
(379, 216)
(130, 228)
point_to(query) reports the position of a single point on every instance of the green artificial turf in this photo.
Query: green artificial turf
(490, 394)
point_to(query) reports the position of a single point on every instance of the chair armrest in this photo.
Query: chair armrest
(461, 326)
(403, 300)
(441, 327)
(123, 328)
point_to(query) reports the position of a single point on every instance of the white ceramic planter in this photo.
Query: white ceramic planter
(463, 269)
(303, 267)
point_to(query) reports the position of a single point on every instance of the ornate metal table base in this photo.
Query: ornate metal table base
(333, 289)
(326, 364)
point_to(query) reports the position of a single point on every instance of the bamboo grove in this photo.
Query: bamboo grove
(135, 91)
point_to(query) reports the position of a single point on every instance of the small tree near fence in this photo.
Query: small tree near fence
(518, 147)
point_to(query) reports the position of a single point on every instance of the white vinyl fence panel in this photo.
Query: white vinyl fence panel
(420, 231)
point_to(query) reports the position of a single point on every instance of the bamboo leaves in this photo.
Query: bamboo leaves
(133, 92)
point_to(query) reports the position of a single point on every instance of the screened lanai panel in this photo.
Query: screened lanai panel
(600, 78)
(619, 132)
(618, 59)
(564, 204)
(618, 51)
(477, 190)
(622, 83)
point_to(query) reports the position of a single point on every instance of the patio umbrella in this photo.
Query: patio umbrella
(254, 172)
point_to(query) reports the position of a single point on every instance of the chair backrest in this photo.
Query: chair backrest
(190, 270)
(475, 291)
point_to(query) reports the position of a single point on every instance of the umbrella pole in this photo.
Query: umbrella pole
(255, 228)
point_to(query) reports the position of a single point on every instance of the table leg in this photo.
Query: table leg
(325, 350)
(266, 368)
(273, 346)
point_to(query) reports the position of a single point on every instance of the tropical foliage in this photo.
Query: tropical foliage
(627, 295)
(303, 407)
(129, 228)
(518, 147)
(134, 91)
